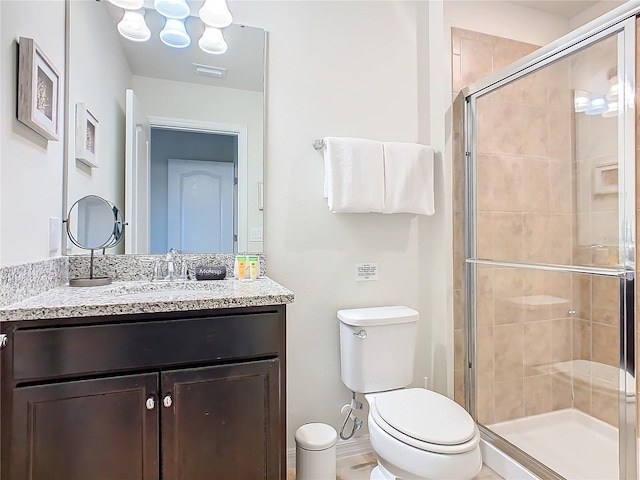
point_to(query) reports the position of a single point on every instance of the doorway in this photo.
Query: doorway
(191, 171)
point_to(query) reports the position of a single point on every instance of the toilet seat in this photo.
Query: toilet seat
(424, 419)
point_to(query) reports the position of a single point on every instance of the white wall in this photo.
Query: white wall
(343, 69)
(435, 279)
(504, 19)
(98, 76)
(594, 12)
(165, 98)
(30, 166)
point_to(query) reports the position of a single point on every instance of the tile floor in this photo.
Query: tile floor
(358, 467)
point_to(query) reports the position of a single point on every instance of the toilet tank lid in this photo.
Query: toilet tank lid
(362, 317)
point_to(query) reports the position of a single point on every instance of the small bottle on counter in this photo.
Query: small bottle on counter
(254, 266)
(240, 269)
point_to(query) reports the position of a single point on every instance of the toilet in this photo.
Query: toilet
(415, 433)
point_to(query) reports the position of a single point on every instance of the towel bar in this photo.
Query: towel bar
(318, 144)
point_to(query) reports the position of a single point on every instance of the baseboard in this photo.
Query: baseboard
(344, 448)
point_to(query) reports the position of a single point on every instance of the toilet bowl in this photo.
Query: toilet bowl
(417, 434)
(420, 434)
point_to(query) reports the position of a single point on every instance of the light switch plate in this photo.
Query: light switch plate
(255, 234)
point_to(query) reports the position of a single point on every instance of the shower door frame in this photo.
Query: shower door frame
(622, 19)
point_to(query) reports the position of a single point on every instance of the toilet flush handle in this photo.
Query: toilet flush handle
(361, 334)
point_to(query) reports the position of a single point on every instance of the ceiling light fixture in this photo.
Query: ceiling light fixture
(612, 110)
(597, 106)
(212, 41)
(580, 101)
(172, 8)
(174, 34)
(215, 13)
(612, 94)
(128, 4)
(133, 27)
(210, 71)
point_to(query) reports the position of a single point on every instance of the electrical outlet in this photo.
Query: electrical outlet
(255, 234)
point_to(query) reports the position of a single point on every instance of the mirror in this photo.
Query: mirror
(181, 151)
(93, 223)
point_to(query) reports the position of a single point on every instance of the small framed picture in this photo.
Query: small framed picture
(38, 90)
(86, 135)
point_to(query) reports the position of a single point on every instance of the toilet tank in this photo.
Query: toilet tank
(377, 347)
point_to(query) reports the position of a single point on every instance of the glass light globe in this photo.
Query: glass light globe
(598, 105)
(133, 27)
(174, 34)
(613, 110)
(128, 4)
(172, 8)
(215, 13)
(212, 41)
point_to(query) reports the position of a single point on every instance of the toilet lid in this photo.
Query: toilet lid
(426, 416)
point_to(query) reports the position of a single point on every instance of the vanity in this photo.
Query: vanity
(144, 380)
(138, 379)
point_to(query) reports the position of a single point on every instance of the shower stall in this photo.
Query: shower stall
(549, 266)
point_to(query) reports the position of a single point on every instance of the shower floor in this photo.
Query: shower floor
(575, 445)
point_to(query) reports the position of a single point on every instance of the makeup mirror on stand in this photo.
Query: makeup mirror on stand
(94, 223)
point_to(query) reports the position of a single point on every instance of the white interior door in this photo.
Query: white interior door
(137, 158)
(200, 206)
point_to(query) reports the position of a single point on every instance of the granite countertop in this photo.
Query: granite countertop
(132, 297)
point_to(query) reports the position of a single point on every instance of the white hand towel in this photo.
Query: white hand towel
(408, 178)
(354, 175)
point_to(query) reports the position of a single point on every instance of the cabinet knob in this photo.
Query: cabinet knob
(167, 401)
(4, 339)
(151, 403)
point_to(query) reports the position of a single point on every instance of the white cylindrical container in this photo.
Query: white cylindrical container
(316, 452)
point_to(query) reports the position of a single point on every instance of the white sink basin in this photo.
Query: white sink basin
(162, 290)
(161, 294)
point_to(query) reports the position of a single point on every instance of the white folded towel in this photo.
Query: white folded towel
(353, 175)
(408, 178)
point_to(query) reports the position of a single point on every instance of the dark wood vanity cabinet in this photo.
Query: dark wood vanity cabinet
(188, 396)
(86, 429)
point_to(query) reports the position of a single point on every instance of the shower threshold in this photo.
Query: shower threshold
(570, 442)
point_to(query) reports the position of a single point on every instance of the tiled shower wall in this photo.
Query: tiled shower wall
(529, 182)
(595, 237)
(474, 56)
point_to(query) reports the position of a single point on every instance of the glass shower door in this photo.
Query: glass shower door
(551, 213)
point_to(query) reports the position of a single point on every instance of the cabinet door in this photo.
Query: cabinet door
(101, 429)
(222, 422)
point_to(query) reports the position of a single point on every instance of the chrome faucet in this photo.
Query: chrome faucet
(171, 268)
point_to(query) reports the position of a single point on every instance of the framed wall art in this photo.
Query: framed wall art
(86, 135)
(38, 90)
